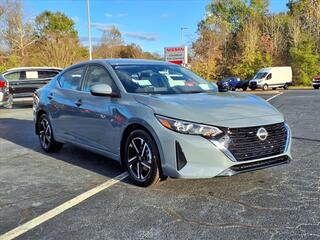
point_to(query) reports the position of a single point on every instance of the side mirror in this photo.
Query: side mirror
(103, 90)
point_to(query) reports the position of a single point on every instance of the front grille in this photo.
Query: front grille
(253, 84)
(246, 167)
(245, 145)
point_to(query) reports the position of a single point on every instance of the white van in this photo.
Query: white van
(272, 77)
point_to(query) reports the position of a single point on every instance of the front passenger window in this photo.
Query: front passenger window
(72, 78)
(98, 75)
(269, 76)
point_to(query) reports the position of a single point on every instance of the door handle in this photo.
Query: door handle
(50, 96)
(78, 103)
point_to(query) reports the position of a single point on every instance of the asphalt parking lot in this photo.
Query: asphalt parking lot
(275, 203)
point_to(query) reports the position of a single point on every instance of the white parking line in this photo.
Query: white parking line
(61, 208)
(274, 96)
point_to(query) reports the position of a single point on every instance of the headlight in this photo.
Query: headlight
(185, 127)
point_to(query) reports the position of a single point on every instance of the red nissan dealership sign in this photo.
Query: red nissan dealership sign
(177, 55)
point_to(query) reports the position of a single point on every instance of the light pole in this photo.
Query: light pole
(181, 34)
(89, 30)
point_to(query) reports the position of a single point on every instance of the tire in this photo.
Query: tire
(274, 88)
(141, 158)
(244, 88)
(47, 141)
(9, 103)
(286, 87)
(265, 87)
(316, 87)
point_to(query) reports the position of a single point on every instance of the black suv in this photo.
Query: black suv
(24, 81)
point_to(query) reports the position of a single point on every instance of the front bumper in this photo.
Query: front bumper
(207, 158)
(255, 85)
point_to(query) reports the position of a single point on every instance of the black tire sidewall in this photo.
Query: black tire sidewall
(53, 146)
(155, 174)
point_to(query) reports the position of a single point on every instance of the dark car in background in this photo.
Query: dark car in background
(24, 81)
(233, 83)
(316, 82)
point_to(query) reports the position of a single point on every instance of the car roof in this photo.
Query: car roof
(126, 61)
(32, 68)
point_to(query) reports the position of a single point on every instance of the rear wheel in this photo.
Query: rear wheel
(47, 141)
(316, 87)
(141, 158)
(265, 87)
(244, 88)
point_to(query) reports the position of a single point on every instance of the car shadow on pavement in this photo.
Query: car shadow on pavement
(21, 132)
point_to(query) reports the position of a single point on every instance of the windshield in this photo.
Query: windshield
(260, 75)
(161, 79)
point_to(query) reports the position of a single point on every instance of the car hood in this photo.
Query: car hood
(221, 109)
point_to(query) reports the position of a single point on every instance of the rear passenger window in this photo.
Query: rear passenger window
(47, 74)
(72, 78)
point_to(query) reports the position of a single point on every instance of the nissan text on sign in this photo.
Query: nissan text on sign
(177, 55)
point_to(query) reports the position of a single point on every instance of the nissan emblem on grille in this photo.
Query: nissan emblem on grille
(262, 134)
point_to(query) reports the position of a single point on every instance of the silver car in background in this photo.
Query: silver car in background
(159, 120)
(5, 96)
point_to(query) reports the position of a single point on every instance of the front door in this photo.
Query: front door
(99, 119)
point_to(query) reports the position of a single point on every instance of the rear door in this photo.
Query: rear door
(24, 82)
(64, 103)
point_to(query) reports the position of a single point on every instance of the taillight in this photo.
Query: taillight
(3, 83)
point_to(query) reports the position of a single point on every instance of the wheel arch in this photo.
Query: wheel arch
(146, 127)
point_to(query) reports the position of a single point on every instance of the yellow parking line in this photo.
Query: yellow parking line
(61, 208)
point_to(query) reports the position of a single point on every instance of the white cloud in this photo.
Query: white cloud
(122, 14)
(164, 15)
(141, 36)
(108, 15)
(104, 26)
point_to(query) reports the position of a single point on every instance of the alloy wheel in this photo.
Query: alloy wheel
(139, 158)
(45, 133)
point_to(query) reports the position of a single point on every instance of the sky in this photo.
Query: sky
(152, 24)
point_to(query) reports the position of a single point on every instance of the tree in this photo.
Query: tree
(111, 41)
(58, 43)
(57, 23)
(305, 61)
(16, 33)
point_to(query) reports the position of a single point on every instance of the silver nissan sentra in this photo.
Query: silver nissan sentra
(159, 120)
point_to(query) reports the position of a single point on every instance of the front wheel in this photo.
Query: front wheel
(47, 141)
(141, 158)
(286, 87)
(316, 87)
(265, 87)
